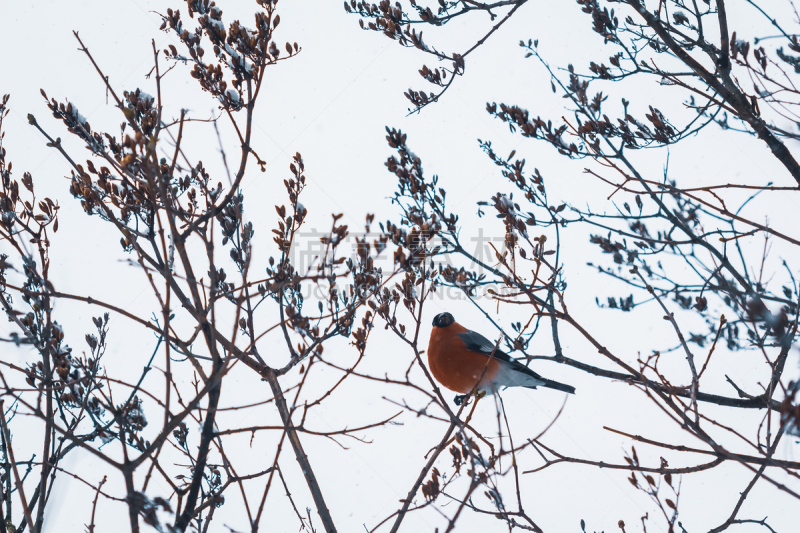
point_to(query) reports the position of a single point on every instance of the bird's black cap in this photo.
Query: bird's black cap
(442, 320)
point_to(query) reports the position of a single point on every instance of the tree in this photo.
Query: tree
(181, 229)
(686, 249)
(288, 339)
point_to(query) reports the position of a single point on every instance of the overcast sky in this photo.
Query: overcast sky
(332, 103)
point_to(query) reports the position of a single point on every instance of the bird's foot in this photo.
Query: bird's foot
(461, 398)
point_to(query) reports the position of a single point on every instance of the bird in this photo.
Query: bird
(463, 360)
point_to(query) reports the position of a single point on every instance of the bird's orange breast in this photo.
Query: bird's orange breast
(456, 367)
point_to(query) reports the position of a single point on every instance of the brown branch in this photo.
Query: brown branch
(634, 468)
(299, 452)
(734, 98)
(90, 527)
(743, 496)
(17, 480)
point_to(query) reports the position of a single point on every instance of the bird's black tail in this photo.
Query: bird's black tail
(550, 384)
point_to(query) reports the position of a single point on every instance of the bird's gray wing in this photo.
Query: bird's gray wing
(510, 373)
(476, 342)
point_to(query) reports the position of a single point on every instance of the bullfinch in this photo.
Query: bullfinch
(459, 358)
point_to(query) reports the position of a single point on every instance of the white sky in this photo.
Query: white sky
(331, 103)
